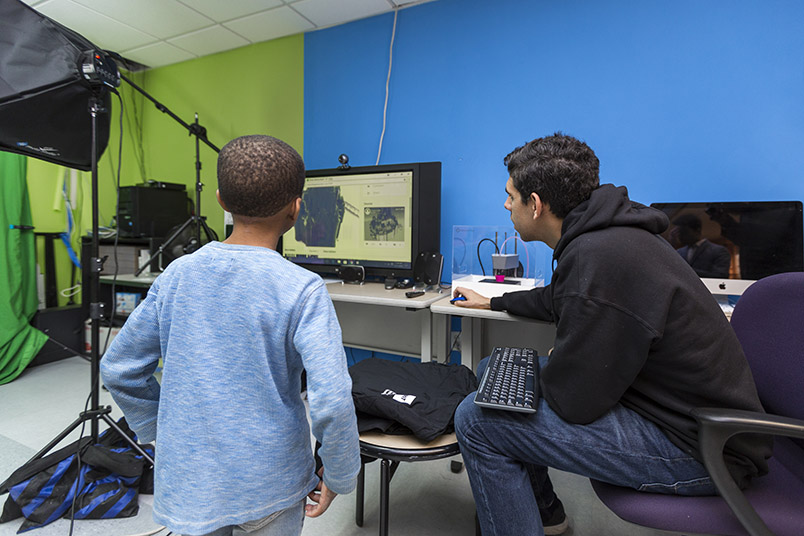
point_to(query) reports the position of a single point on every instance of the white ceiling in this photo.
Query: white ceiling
(155, 33)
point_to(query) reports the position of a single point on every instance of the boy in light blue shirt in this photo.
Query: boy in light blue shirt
(236, 324)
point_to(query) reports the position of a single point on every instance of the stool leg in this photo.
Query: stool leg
(385, 488)
(361, 480)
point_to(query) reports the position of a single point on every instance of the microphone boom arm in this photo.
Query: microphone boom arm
(194, 130)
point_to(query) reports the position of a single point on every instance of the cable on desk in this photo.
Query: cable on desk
(496, 250)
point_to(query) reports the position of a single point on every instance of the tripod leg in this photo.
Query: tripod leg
(211, 235)
(125, 436)
(58, 439)
(162, 246)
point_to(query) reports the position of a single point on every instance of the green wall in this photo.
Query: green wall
(258, 89)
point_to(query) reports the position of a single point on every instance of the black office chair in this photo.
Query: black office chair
(769, 322)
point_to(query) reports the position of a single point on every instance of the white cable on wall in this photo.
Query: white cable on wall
(387, 83)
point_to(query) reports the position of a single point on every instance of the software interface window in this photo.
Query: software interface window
(354, 219)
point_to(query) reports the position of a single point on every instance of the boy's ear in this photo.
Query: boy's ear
(295, 208)
(218, 195)
(291, 214)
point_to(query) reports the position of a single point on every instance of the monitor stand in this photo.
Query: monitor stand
(730, 287)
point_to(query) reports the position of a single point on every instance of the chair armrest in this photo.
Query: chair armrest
(741, 421)
(715, 427)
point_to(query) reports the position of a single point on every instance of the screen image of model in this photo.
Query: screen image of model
(385, 224)
(320, 217)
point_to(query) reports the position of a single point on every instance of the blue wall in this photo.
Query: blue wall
(682, 100)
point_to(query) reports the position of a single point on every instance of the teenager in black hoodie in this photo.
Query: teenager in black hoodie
(639, 343)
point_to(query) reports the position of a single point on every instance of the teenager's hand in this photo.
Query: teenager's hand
(322, 496)
(473, 299)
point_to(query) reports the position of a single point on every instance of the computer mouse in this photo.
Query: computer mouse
(404, 283)
(458, 298)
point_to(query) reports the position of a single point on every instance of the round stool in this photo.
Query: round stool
(390, 450)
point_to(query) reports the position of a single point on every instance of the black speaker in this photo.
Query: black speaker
(427, 268)
(146, 211)
(351, 273)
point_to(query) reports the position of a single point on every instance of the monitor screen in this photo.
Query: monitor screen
(378, 217)
(737, 240)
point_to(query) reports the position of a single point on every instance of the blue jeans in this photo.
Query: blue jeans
(507, 455)
(285, 522)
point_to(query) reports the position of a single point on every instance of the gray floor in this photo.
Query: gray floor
(426, 498)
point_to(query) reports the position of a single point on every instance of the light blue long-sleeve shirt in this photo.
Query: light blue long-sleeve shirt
(235, 325)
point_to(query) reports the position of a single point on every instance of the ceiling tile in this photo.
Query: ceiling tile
(160, 18)
(103, 31)
(328, 13)
(270, 24)
(209, 41)
(158, 54)
(223, 11)
(160, 32)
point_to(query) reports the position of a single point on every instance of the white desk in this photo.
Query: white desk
(483, 329)
(373, 318)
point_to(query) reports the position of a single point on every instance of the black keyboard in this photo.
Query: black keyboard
(510, 381)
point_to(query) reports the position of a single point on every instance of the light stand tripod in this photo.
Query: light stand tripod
(196, 220)
(96, 314)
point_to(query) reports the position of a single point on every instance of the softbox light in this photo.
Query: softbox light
(48, 73)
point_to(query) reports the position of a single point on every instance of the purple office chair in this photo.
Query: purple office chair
(769, 322)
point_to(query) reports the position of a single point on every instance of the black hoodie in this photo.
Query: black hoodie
(635, 325)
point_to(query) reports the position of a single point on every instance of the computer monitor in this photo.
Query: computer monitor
(377, 217)
(742, 241)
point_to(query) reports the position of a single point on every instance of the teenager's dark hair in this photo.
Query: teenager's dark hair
(258, 175)
(562, 170)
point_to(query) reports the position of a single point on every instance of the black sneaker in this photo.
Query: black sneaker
(554, 519)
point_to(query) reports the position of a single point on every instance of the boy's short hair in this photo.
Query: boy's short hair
(561, 169)
(258, 175)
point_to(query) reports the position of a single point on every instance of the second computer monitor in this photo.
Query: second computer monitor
(727, 242)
